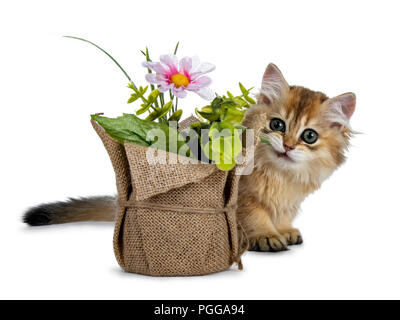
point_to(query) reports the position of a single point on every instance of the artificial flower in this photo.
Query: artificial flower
(181, 76)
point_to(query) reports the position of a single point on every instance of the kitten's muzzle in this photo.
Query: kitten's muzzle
(284, 155)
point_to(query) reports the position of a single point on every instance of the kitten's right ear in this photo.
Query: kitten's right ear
(273, 85)
(340, 109)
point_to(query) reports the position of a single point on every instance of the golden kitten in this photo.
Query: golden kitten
(308, 135)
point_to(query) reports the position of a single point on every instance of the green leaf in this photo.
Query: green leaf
(219, 129)
(130, 128)
(243, 89)
(143, 109)
(168, 106)
(176, 116)
(147, 54)
(248, 99)
(133, 97)
(143, 90)
(153, 96)
(229, 103)
(241, 102)
(216, 104)
(233, 116)
(215, 150)
(121, 129)
(207, 109)
(236, 144)
(196, 125)
(207, 115)
(154, 115)
(224, 145)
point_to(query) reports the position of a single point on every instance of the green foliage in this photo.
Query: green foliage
(176, 116)
(138, 92)
(229, 108)
(224, 145)
(153, 96)
(130, 128)
(159, 113)
(222, 118)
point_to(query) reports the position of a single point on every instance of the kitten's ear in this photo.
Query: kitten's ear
(273, 85)
(340, 109)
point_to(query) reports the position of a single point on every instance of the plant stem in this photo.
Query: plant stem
(111, 57)
(162, 99)
(147, 54)
(176, 48)
(115, 61)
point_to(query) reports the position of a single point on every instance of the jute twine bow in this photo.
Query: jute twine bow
(228, 209)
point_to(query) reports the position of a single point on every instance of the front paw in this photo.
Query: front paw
(292, 236)
(271, 243)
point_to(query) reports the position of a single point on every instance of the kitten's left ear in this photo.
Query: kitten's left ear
(340, 109)
(273, 85)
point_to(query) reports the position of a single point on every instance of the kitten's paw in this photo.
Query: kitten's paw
(272, 243)
(293, 236)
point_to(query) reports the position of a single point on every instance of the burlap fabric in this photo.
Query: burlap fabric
(173, 219)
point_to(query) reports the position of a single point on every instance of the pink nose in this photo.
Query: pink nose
(288, 148)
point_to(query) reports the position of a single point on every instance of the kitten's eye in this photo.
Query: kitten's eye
(309, 136)
(277, 125)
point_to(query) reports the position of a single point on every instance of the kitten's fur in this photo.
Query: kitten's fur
(286, 170)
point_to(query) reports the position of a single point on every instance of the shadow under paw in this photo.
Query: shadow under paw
(273, 243)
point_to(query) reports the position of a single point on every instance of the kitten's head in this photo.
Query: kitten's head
(308, 133)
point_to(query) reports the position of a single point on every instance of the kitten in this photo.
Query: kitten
(308, 135)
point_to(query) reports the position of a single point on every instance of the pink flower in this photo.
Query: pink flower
(187, 75)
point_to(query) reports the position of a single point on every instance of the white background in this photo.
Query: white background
(49, 86)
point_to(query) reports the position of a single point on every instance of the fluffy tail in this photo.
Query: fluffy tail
(73, 210)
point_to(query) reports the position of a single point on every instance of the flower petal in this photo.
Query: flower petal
(179, 92)
(171, 61)
(206, 93)
(155, 66)
(185, 65)
(156, 78)
(195, 62)
(165, 87)
(199, 83)
(205, 67)
(151, 77)
(195, 75)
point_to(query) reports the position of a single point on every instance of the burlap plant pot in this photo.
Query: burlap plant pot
(173, 219)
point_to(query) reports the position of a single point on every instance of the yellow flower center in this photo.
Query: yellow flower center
(179, 80)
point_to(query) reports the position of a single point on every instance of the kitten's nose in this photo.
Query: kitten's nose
(288, 148)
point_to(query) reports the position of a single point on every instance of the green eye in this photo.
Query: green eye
(277, 125)
(309, 136)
